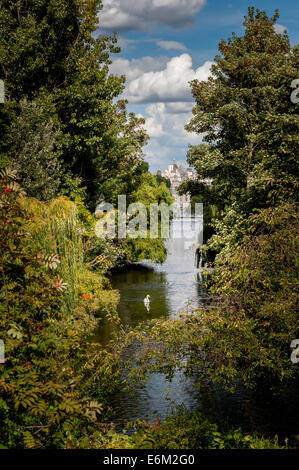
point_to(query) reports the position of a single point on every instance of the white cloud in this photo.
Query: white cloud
(169, 84)
(179, 107)
(155, 119)
(128, 44)
(279, 28)
(158, 155)
(165, 123)
(171, 124)
(172, 45)
(126, 15)
(162, 84)
(135, 68)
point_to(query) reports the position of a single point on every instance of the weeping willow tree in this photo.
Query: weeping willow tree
(143, 247)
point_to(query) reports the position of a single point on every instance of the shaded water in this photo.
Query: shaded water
(172, 286)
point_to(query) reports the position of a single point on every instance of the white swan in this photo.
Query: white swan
(147, 302)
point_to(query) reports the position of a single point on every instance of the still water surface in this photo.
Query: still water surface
(172, 286)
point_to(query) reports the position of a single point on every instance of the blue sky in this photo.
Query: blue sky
(167, 43)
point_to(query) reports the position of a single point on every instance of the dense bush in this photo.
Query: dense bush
(183, 430)
(54, 382)
(32, 152)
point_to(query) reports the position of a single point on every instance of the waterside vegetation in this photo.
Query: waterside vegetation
(68, 144)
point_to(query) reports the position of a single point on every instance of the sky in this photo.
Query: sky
(167, 43)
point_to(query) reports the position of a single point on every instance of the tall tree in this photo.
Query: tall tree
(51, 51)
(249, 122)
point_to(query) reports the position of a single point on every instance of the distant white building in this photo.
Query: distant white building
(177, 174)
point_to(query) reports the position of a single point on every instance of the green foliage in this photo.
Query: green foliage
(65, 70)
(187, 430)
(249, 121)
(72, 188)
(161, 179)
(138, 249)
(256, 286)
(54, 382)
(183, 430)
(102, 254)
(32, 139)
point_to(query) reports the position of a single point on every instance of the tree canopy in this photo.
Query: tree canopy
(52, 52)
(249, 123)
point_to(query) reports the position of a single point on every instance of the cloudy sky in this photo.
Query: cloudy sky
(166, 44)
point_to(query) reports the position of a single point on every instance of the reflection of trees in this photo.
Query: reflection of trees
(134, 284)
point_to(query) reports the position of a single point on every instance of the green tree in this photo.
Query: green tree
(161, 179)
(52, 52)
(250, 144)
(139, 248)
(31, 152)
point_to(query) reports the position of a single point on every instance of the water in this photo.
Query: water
(174, 286)
(171, 285)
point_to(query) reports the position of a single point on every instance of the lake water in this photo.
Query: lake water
(172, 286)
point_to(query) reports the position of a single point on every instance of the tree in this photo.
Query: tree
(161, 179)
(51, 52)
(251, 126)
(32, 142)
(149, 192)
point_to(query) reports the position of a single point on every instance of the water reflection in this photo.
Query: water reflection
(172, 286)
